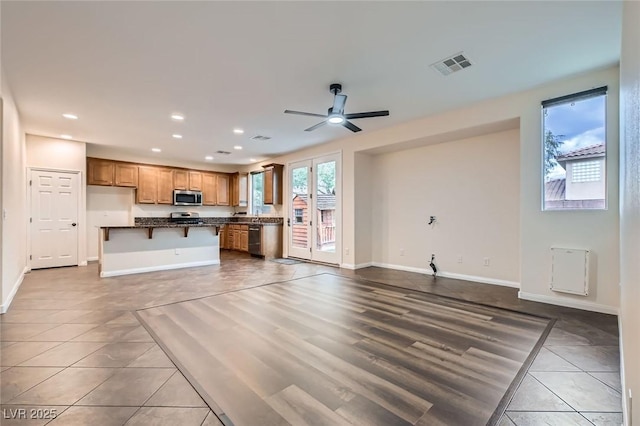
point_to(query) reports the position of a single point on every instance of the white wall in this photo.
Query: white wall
(630, 205)
(364, 206)
(539, 230)
(63, 155)
(472, 187)
(14, 226)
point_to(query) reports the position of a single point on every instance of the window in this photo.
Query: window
(257, 192)
(297, 214)
(574, 151)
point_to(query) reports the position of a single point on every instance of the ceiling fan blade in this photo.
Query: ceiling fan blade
(320, 124)
(288, 111)
(351, 126)
(366, 114)
(338, 104)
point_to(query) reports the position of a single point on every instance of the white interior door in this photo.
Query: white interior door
(54, 219)
(314, 214)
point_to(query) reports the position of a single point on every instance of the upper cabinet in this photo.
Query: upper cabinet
(239, 189)
(126, 174)
(209, 189)
(222, 191)
(273, 183)
(100, 172)
(195, 180)
(147, 191)
(180, 179)
(155, 184)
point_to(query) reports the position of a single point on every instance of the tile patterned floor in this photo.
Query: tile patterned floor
(70, 343)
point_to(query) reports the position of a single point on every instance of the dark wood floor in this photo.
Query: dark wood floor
(333, 350)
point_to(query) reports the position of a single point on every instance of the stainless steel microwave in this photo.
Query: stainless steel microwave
(187, 198)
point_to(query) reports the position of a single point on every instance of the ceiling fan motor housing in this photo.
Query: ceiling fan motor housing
(335, 88)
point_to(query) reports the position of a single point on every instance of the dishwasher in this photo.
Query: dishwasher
(255, 240)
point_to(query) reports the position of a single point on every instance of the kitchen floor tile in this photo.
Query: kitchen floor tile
(212, 420)
(105, 333)
(62, 333)
(114, 355)
(21, 332)
(548, 419)
(64, 355)
(17, 380)
(533, 396)
(590, 358)
(548, 361)
(154, 357)
(581, 391)
(176, 392)
(604, 419)
(128, 387)
(610, 379)
(66, 387)
(139, 334)
(98, 416)
(166, 416)
(23, 351)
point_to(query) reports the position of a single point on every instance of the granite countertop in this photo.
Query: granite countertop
(162, 222)
(163, 225)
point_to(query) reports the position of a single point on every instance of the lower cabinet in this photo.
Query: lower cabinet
(235, 237)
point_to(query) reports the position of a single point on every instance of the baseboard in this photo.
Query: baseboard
(92, 259)
(5, 306)
(82, 263)
(116, 273)
(452, 275)
(358, 266)
(569, 303)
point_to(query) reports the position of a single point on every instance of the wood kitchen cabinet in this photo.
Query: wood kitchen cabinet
(244, 238)
(100, 172)
(180, 179)
(239, 189)
(222, 237)
(165, 186)
(195, 181)
(147, 191)
(273, 183)
(222, 190)
(209, 189)
(126, 174)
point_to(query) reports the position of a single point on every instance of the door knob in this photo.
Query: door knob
(73, 224)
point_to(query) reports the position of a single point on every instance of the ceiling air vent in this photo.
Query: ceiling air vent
(260, 138)
(452, 64)
(223, 152)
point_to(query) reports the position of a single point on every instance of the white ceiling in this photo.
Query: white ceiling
(124, 67)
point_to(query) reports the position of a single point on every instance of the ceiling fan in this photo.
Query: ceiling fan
(336, 113)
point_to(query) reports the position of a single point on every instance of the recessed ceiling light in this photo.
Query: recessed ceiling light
(208, 157)
(70, 116)
(156, 150)
(237, 147)
(177, 136)
(238, 131)
(177, 117)
(66, 136)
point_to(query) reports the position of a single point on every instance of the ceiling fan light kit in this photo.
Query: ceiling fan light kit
(336, 115)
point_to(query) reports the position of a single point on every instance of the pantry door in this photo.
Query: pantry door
(54, 218)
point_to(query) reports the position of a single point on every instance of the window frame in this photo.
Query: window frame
(566, 99)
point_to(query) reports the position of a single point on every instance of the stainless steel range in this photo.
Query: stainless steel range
(186, 218)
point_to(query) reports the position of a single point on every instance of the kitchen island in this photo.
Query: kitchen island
(157, 244)
(142, 248)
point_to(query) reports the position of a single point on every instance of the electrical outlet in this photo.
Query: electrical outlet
(486, 261)
(401, 252)
(459, 259)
